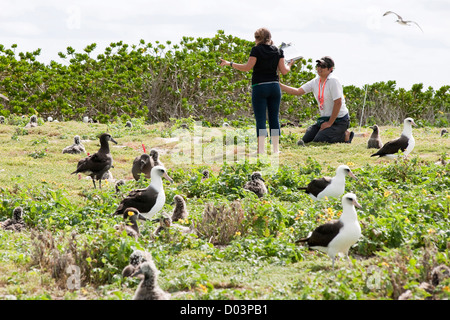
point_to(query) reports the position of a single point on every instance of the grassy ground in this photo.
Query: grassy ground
(32, 158)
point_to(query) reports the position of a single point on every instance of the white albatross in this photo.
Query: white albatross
(337, 236)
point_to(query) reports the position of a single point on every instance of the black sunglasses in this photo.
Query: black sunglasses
(319, 65)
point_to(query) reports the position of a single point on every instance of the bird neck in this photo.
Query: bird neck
(407, 131)
(349, 213)
(156, 182)
(104, 146)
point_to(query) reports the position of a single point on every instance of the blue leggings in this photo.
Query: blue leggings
(266, 97)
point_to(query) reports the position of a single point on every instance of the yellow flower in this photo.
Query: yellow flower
(301, 212)
(350, 164)
(430, 231)
(446, 288)
(407, 220)
(387, 193)
(424, 191)
(202, 287)
(238, 233)
(385, 264)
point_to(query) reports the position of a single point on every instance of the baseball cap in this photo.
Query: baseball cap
(326, 61)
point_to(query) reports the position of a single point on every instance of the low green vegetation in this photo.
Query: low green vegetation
(244, 247)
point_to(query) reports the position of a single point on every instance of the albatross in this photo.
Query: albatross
(401, 21)
(403, 144)
(329, 187)
(150, 200)
(97, 164)
(337, 236)
(374, 140)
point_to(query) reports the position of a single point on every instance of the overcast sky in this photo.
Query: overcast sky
(366, 46)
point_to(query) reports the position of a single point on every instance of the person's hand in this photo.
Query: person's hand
(291, 63)
(223, 62)
(325, 125)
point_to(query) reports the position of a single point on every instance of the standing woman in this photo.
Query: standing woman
(266, 60)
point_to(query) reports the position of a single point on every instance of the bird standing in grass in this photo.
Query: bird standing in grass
(256, 184)
(148, 288)
(180, 211)
(16, 223)
(403, 144)
(329, 187)
(337, 236)
(374, 139)
(97, 164)
(150, 200)
(76, 148)
(136, 258)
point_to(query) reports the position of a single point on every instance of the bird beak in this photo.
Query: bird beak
(140, 216)
(112, 139)
(356, 204)
(136, 273)
(414, 124)
(352, 175)
(167, 177)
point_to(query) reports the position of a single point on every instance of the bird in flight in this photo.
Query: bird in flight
(401, 21)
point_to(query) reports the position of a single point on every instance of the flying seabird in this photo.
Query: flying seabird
(401, 21)
(374, 140)
(149, 289)
(97, 164)
(404, 144)
(179, 212)
(329, 187)
(76, 148)
(142, 164)
(337, 236)
(256, 184)
(150, 200)
(16, 223)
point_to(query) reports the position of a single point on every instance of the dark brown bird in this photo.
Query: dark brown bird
(256, 184)
(16, 223)
(180, 211)
(374, 140)
(142, 164)
(97, 164)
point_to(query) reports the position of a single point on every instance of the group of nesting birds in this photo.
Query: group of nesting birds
(333, 238)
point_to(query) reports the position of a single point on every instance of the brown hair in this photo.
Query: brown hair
(263, 36)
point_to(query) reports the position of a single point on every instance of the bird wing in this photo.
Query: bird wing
(138, 199)
(392, 12)
(409, 22)
(392, 147)
(323, 234)
(316, 186)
